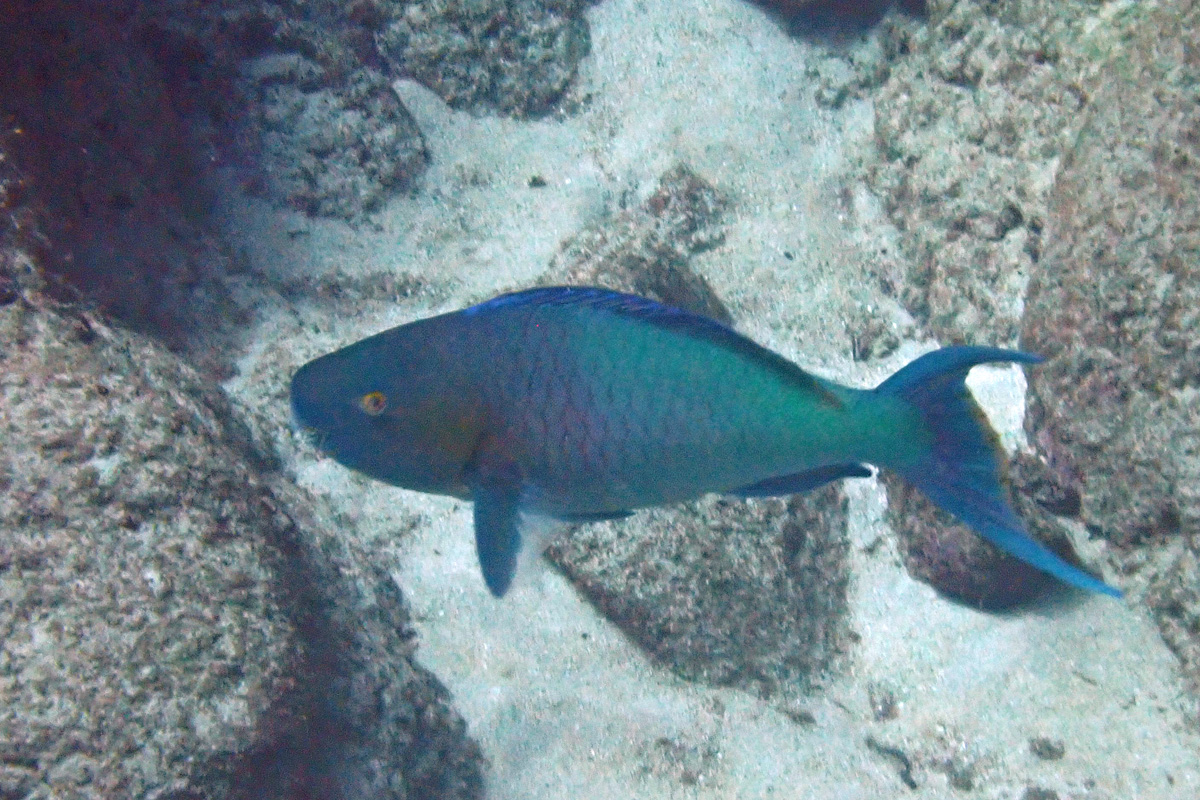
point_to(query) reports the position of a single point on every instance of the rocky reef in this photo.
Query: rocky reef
(176, 618)
(1115, 307)
(514, 56)
(978, 108)
(128, 119)
(1062, 215)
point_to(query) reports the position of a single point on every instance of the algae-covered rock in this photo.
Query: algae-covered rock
(837, 16)
(516, 56)
(334, 149)
(174, 622)
(969, 126)
(749, 594)
(102, 141)
(141, 627)
(647, 250)
(1115, 307)
(298, 83)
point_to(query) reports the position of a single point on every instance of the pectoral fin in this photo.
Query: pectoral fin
(496, 490)
(802, 481)
(497, 537)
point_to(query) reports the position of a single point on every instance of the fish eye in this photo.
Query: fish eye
(373, 403)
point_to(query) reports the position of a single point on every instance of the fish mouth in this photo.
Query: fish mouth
(311, 436)
(301, 431)
(314, 436)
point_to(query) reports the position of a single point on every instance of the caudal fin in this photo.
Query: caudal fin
(962, 471)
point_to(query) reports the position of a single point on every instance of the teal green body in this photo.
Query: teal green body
(584, 404)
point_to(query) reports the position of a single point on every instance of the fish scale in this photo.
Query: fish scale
(585, 404)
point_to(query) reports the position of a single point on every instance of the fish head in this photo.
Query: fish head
(385, 417)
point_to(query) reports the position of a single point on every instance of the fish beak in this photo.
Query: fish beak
(314, 437)
(309, 435)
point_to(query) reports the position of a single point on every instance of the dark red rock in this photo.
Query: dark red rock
(958, 563)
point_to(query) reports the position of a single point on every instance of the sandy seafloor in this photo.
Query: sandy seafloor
(562, 703)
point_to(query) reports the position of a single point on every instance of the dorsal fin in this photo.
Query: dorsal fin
(667, 317)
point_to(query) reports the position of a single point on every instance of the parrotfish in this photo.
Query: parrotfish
(582, 404)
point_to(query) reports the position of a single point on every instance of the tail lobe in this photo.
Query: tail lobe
(962, 472)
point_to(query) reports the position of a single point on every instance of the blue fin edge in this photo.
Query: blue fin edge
(963, 471)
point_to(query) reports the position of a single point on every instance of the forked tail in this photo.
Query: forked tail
(962, 471)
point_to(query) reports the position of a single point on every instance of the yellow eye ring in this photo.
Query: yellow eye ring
(373, 403)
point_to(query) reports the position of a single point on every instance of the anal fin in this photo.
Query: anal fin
(603, 516)
(802, 481)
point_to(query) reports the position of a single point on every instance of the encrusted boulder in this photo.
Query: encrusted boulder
(969, 127)
(175, 620)
(1115, 308)
(515, 56)
(741, 593)
(647, 250)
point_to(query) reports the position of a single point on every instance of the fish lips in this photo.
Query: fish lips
(314, 406)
